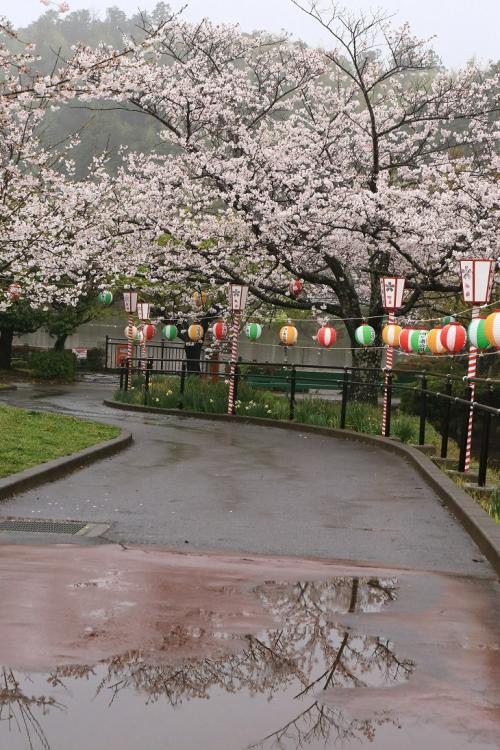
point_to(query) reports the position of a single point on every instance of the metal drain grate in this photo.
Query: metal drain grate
(42, 526)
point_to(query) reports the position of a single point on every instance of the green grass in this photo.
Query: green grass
(29, 438)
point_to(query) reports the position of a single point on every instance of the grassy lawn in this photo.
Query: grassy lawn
(28, 438)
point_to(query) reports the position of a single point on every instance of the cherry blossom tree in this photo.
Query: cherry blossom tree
(336, 167)
(60, 239)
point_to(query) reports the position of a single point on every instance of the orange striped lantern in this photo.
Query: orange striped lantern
(434, 341)
(453, 337)
(148, 331)
(195, 332)
(289, 335)
(200, 299)
(220, 330)
(492, 329)
(391, 334)
(405, 340)
(326, 336)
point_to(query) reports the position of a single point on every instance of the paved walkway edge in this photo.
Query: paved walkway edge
(483, 530)
(56, 468)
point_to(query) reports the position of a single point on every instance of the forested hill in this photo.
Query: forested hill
(54, 35)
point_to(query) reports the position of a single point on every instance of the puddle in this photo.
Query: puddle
(106, 649)
(257, 691)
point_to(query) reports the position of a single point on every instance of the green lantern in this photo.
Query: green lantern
(447, 320)
(105, 297)
(476, 333)
(418, 342)
(253, 331)
(169, 332)
(365, 335)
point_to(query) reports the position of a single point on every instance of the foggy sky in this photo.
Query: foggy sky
(464, 28)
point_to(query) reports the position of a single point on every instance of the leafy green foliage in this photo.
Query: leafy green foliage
(54, 365)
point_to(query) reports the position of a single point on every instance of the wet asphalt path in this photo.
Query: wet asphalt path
(195, 485)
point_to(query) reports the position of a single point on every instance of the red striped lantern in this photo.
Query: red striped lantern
(405, 340)
(14, 291)
(453, 337)
(148, 331)
(295, 287)
(220, 330)
(326, 336)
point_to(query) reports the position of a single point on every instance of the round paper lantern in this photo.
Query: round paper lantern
(200, 299)
(195, 332)
(253, 331)
(14, 291)
(220, 330)
(364, 335)
(169, 332)
(448, 319)
(453, 337)
(132, 332)
(391, 334)
(148, 331)
(105, 297)
(476, 333)
(289, 335)
(405, 340)
(326, 336)
(418, 342)
(295, 287)
(138, 338)
(434, 341)
(492, 329)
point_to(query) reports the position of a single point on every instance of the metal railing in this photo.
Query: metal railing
(350, 383)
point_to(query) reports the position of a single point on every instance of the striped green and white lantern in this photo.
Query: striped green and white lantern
(364, 335)
(105, 297)
(169, 332)
(476, 333)
(447, 320)
(253, 331)
(138, 338)
(418, 342)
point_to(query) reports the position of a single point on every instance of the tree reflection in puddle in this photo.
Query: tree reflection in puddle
(307, 653)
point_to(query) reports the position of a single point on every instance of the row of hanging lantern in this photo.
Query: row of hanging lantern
(450, 338)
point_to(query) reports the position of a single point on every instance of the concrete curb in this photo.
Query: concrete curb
(483, 530)
(58, 467)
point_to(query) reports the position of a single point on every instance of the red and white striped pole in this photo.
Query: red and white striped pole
(471, 373)
(389, 360)
(129, 350)
(234, 361)
(144, 351)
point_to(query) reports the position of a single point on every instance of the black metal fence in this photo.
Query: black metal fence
(163, 355)
(345, 385)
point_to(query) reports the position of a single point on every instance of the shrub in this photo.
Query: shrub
(54, 365)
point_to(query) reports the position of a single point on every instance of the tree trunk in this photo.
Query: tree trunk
(6, 337)
(193, 358)
(365, 385)
(60, 342)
